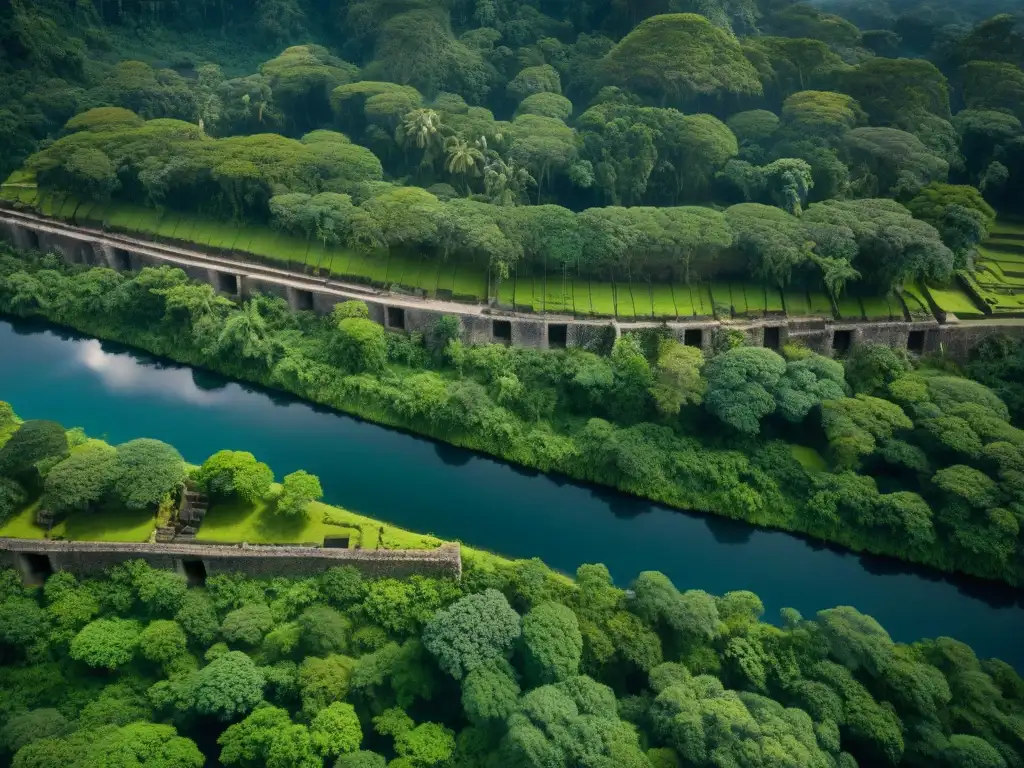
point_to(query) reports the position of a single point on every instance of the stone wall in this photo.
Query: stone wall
(85, 557)
(483, 324)
(958, 339)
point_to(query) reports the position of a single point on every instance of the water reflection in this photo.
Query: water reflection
(127, 374)
(619, 504)
(727, 531)
(452, 456)
(428, 486)
(206, 381)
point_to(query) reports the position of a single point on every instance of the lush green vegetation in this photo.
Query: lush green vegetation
(81, 482)
(512, 666)
(545, 156)
(922, 464)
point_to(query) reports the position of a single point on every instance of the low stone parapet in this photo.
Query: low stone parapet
(37, 558)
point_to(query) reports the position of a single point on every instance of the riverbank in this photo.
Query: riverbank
(758, 481)
(418, 484)
(237, 521)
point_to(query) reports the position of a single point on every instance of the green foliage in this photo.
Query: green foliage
(472, 632)
(854, 425)
(324, 630)
(198, 617)
(247, 625)
(552, 643)
(299, 489)
(110, 745)
(31, 443)
(806, 384)
(12, 497)
(361, 345)
(871, 368)
(267, 737)
(489, 694)
(335, 730)
(147, 471)
(82, 479)
(162, 641)
(229, 686)
(348, 309)
(741, 383)
(645, 60)
(235, 473)
(677, 379)
(106, 643)
(36, 724)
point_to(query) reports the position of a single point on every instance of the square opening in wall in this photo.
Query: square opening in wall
(915, 341)
(558, 335)
(226, 283)
(396, 318)
(842, 341)
(336, 542)
(501, 330)
(195, 572)
(303, 299)
(37, 568)
(122, 260)
(693, 337)
(772, 337)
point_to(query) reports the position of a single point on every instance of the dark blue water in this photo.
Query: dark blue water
(432, 488)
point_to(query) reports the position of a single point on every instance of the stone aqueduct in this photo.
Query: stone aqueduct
(36, 559)
(481, 323)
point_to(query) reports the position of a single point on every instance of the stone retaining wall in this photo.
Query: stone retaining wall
(34, 557)
(481, 324)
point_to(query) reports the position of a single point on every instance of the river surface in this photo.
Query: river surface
(111, 392)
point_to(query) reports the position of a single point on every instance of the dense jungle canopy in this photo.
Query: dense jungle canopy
(675, 140)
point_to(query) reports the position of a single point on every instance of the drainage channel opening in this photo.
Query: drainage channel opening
(772, 337)
(336, 542)
(915, 341)
(303, 299)
(501, 330)
(693, 337)
(226, 283)
(122, 260)
(396, 318)
(36, 567)
(558, 335)
(842, 341)
(195, 572)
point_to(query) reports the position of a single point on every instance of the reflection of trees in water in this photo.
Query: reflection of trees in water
(993, 594)
(622, 505)
(452, 456)
(208, 382)
(725, 531)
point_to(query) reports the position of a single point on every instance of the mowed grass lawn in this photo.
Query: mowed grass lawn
(101, 525)
(260, 524)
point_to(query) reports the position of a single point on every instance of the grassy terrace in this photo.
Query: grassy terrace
(234, 523)
(226, 524)
(995, 289)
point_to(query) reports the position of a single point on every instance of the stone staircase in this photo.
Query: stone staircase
(182, 529)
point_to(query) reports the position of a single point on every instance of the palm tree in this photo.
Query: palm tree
(245, 335)
(836, 272)
(505, 183)
(421, 129)
(464, 158)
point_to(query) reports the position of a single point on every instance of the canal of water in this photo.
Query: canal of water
(415, 483)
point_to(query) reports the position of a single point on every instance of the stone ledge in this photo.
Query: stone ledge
(82, 557)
